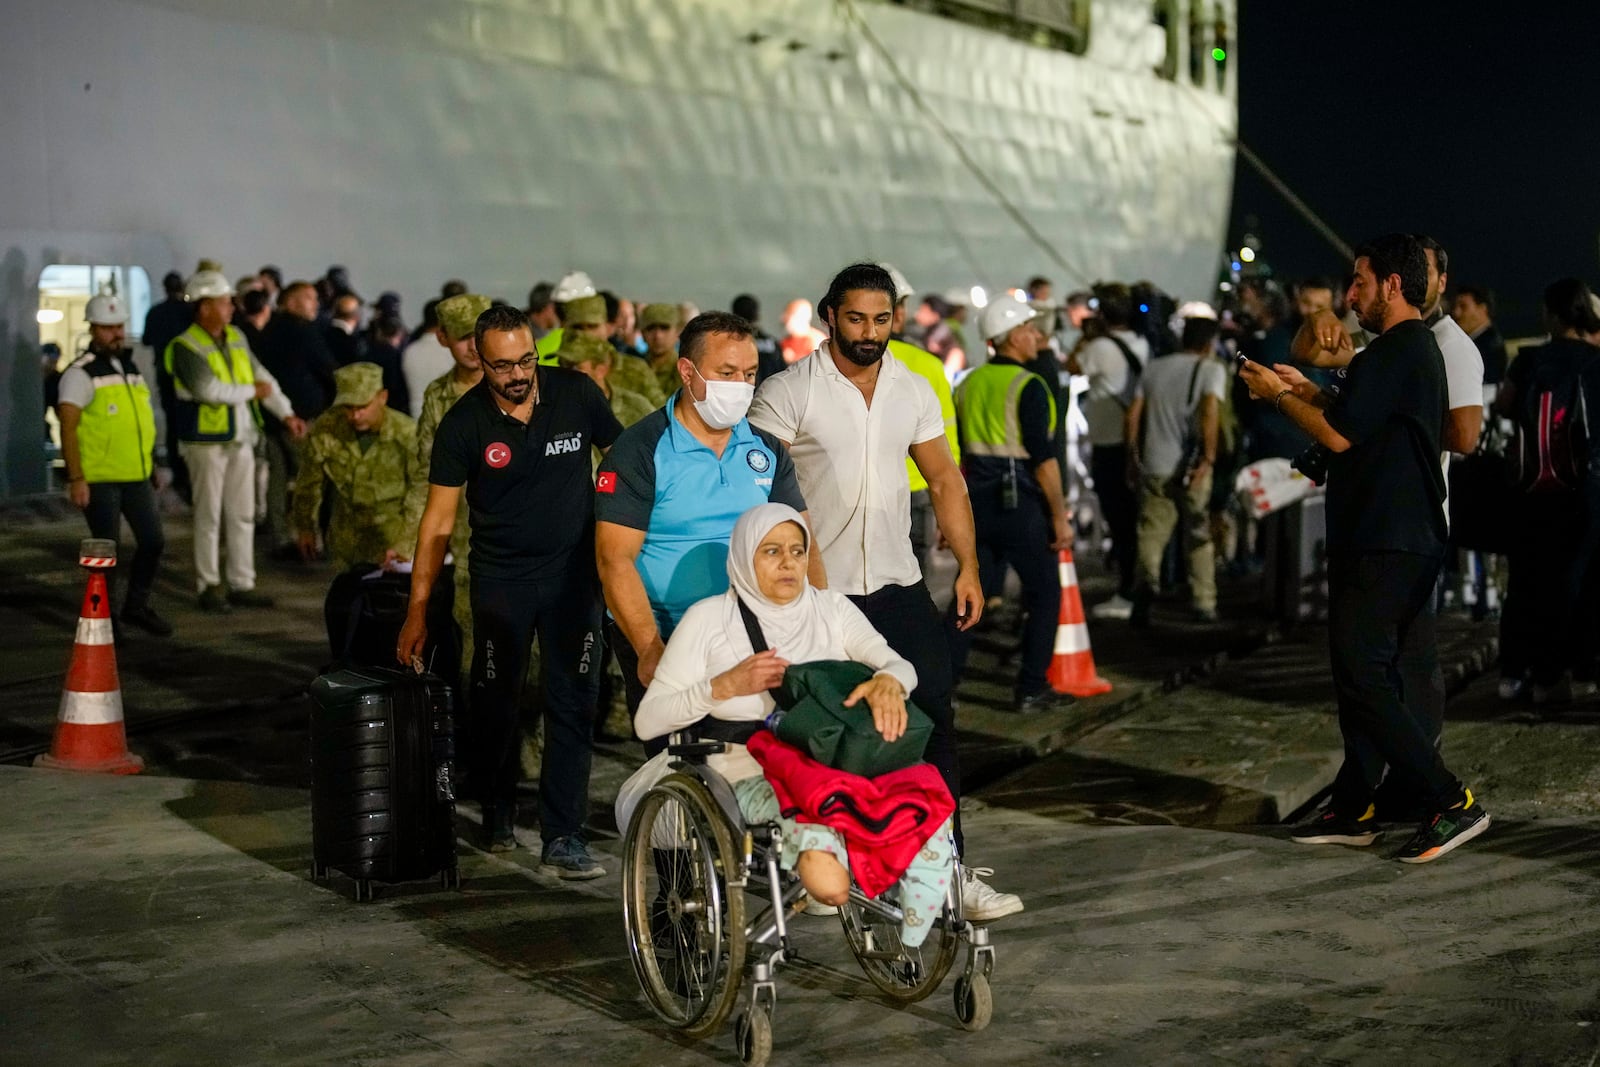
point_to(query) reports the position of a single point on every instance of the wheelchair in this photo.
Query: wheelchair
(706, 909)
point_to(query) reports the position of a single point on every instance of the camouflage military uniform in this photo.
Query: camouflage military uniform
(440, 396)
(668, 380)
(579, 352)
(634, 375)
(629, 407)
(662, 368)
(371, 481)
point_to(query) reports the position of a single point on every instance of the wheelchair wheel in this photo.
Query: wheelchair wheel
(685, 929)
(903, 974)
(974, 1002)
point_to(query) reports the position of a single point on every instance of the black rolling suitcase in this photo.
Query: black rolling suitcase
(382, 764)
(365, 609)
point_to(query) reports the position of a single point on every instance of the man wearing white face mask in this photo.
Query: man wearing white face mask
(668, 493)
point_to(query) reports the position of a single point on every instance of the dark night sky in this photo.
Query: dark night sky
(1479, 129)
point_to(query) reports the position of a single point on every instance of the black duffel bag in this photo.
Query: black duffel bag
(815, 720)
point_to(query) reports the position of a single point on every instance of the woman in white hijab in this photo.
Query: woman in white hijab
(710, 669)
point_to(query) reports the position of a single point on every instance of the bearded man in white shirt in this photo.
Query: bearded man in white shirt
(850, 413)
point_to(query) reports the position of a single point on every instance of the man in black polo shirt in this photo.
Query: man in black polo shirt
(1386, 540)
(518, 442)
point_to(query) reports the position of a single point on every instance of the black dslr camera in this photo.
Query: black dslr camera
(1313, 463)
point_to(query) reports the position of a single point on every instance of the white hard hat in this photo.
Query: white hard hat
(1003, 314)
(572, 286)
(107, 309)
(1191, 309)
(957, 297)
(902, 287)
(205, 284)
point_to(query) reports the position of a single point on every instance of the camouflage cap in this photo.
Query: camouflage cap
(658, 315)
(579, 348)
(358, 383)
(459, 314)
(584, 311)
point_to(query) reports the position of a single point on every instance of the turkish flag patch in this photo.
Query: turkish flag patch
(497, 455)
(606, 483)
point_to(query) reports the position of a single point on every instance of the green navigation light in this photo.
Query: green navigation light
(1219, 54)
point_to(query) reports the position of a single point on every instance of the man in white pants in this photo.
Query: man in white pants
(220, 387)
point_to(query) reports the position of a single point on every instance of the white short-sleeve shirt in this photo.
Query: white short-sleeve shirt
(1463, 365)
(1103, 363)
(1463, 377)
(75, 387)
(850, 461)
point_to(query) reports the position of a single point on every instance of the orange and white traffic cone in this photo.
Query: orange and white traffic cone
(1072, 668)
(89, 731)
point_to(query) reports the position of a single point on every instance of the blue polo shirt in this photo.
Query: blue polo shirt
(658, 478)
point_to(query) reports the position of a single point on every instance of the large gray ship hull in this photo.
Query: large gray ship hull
(674, 149)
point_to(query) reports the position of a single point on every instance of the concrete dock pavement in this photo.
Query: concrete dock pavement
(167, 921)
(252, 662)
(212, 665)
(1237, 739)
(1221, 724)
(170, 918)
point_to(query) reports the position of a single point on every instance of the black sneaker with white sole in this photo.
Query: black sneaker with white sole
(1332, 828)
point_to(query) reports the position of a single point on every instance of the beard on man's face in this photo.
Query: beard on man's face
(514, 391)
(861, 353)
(1370, 316)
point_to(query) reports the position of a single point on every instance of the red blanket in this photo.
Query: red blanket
(884, 820)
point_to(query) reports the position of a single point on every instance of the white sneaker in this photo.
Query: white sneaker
(1512, 688)
(979, 901)
(1118, 607)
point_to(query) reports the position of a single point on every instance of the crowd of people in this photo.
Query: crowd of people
(568, 474)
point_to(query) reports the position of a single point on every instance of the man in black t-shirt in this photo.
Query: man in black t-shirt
(517, 446)
(1386, 538)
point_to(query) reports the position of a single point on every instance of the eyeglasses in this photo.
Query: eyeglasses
(527, 362)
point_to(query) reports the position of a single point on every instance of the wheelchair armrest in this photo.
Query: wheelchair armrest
(686, 746)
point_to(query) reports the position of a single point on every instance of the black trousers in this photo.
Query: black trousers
(632, 688)
(1543, 623)
(1021, 539)
(109, 504)
(564, 613)
(906, 617)
(1108, 466)
(1377, 625)
(1402, 794)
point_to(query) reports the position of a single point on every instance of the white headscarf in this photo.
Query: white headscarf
(799, 630)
